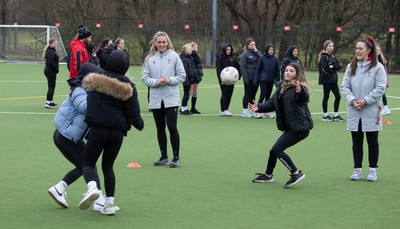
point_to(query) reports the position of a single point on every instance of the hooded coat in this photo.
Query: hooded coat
(267, 68)
(225, 60)
(368, 85)
(77, 46)
(188, 64)
(70, 117)
(289, 58)
(112, 98)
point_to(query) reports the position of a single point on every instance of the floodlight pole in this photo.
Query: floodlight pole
(214, 32)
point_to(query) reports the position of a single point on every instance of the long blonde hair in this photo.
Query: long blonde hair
(153, 47)
(51, 41)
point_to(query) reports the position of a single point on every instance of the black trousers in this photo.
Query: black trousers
(335, 90)
(373, 147)
(266, 91)
(185, 98)
(286, 140)
(109, 142)
(51, 84)
(226, 96)
(74, 153)
(250, 92)
(167, 117)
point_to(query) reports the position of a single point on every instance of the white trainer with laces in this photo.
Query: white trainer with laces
(58, 197)
(91, 195)
(99, 203)
(109, 207)
(357, 174)
(372, 176)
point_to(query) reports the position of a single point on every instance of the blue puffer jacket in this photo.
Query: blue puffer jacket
(267, 70)
(70, 117)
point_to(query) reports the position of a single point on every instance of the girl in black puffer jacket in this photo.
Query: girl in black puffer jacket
(112, 107)
(290, 102)
(188, 64)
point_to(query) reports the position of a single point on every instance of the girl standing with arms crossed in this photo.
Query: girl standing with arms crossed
(290, 103)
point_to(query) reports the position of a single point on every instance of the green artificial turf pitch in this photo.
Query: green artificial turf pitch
(219, 156)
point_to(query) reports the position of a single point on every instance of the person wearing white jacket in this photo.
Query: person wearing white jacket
(363, 86)
(163, 72)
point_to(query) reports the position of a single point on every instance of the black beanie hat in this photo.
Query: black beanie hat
(83, 32)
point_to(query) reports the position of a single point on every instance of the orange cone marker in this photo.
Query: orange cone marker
(133, 165)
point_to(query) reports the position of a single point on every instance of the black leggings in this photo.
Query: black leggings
(185, 99)
(74, 153)
(167, 117)
(109, 142)
(266, 90)
(373, 147)
(250, 92)
(335, 90)
(286, 140)
(384, 100)
(51, 84)
(226, 96)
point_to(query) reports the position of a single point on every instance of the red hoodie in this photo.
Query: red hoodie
(75, 47)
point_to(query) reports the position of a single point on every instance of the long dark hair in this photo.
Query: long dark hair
(370, 43)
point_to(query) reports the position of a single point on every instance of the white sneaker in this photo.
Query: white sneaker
(225, 113)
(257, 115)
(91, 195)
(109, 207)
(357, 174)
(385, 111)
(246, 114)
(99, 204)
(58, 197)
(268, 115)
(372, 176)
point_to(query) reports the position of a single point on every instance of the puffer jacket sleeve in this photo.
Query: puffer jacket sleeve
(78, 98)
(133, 111)
(346, 87)
(268, 105)
(380, 84)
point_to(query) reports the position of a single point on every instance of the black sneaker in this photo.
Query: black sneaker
(194, 111)
(338, 119)
(161, 161)
(294, 179)
(186, 112)
(327, 119)
(263, 178)
(50, 105)
(175, 163)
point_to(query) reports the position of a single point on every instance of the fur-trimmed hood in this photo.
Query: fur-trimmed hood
(108, 86)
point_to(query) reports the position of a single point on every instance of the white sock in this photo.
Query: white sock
(386, 107)
(244, 110)
(110, 200)
(48, 102)
(183, 108)
(358, 169)
(325, 114)
(372, 169)
(61, 186)
(335, 114)
(91, 185)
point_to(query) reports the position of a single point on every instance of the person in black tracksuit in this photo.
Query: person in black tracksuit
(328, 77)
(226, 59)
(290, 103)
(51, 69)
(188, 64)
(112, 107)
